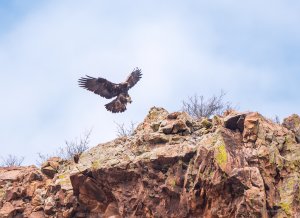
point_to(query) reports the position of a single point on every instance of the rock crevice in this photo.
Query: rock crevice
(235, 165)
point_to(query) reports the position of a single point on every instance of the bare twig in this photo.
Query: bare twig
(73, 148)
(276, 119)
(198, 107)
(11, 160)
(123, 131)
(42, 158)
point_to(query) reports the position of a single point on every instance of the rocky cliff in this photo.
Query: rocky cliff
(235, 165)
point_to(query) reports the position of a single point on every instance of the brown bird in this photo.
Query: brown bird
(76, 157)
(108, 90)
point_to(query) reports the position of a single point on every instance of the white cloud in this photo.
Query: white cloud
(43, 56)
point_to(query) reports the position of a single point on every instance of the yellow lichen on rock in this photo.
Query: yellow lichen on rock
(221, 155)
(287, 193)
(286, 207)
(235, 165)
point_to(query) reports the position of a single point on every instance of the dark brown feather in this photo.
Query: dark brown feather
(117, 105)
(76, 158)
(100, 86)
(108, 89)
(134, 77)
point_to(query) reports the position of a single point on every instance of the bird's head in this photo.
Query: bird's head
(128, 98)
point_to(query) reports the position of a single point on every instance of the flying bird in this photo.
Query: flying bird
(107, 89)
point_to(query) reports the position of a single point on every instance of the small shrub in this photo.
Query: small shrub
(72, 148)
(122, 130)
(42, 158)
(198, 107)
(75, 147)
(11, 160)
(276, 119)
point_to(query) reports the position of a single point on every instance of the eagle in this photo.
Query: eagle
(108, 90)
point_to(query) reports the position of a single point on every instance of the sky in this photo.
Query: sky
(250, 49)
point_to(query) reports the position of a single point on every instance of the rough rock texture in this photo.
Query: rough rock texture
(293, 123)
(51, 166)
(236, 165)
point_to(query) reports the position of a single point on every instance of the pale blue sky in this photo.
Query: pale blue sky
(250, 49)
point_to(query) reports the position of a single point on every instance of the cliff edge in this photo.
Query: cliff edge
(235, 165)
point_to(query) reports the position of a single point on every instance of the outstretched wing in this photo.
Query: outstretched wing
(116, 106)
(134, 77)
(100, 86)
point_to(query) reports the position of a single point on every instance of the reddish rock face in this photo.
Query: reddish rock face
(7, 210)
(37, 214)
(239, 165)
(51, 166)
(293, 123)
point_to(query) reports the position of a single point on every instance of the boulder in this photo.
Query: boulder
(235, 121)
(51, 166)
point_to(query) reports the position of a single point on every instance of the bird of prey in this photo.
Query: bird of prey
(107, 89)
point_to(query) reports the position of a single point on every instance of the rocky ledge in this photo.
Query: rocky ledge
(235, 165)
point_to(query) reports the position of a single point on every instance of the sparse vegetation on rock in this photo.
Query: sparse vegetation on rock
(233, 165)
(11, 160)
(75, 147)
(123, 131)
(72, 150)
(199, 107)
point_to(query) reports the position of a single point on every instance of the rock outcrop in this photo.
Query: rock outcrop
(235, 165)
(293, 124)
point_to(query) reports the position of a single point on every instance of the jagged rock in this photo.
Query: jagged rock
(11, 174)
(50, 167)
(37, 214)
(235, 121)
(49, 207)
(7, 210)
(293, 123)
(235, 165)
(38, 199)
(112, 211)
(152, 121)
(251, 127)
(206, 123)
(156, 138)
(176, 123)
(34, 176)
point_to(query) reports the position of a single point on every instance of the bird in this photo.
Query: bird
(76, 157)
(108, 90)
